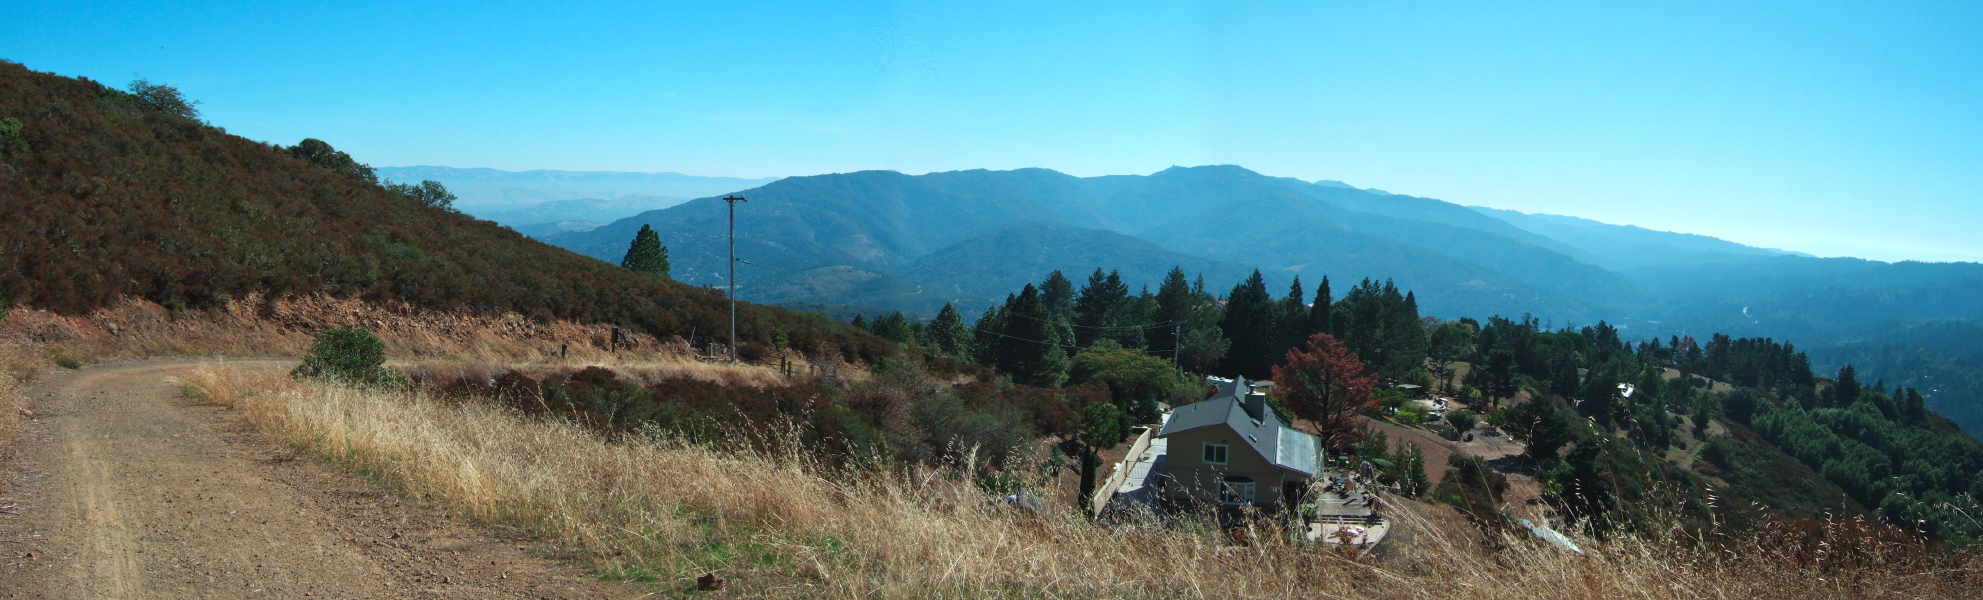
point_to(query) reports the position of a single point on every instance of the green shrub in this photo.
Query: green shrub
(1410, 418)
(1463, 421)
(1719, 451)
(67, 362)
(1390, 398)
(351, 356)
(12, 138)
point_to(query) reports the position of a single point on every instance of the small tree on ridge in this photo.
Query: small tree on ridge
(647, 255)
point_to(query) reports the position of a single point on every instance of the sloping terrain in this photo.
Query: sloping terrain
(991, 265)
(115, 198)
(1624, 247)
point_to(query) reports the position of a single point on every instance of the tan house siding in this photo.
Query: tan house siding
(1191, 476)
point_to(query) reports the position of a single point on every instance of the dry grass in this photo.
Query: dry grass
(21, 362)
(778, 525)
(257, 327)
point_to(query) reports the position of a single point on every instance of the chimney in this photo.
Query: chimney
(1256, 406)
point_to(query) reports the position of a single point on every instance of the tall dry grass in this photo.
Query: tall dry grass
(255, 326)
(777, 524)
(21, 362)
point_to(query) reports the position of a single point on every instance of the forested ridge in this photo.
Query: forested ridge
(109, 193)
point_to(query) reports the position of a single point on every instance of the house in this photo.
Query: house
(1232, 449)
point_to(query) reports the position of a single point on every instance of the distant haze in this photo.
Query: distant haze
(491, 190)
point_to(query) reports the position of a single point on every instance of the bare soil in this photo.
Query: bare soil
(126, 489)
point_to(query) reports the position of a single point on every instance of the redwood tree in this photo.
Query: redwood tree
(1325, 384)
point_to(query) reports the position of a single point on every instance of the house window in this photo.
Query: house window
(1215, 454)
(1236, 490)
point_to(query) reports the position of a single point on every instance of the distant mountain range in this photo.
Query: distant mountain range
(877, 241)
(494, 191)
(899, 242)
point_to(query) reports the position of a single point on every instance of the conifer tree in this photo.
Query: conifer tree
(1249, 322)
(646, 254)
(1290, 322)
(1058, 293)
(1846, 390)
(947, 332)
(1321, 317)
(1030, 351)
(894, 328)
(986, 337)
(1098, 310)
(1174, 307)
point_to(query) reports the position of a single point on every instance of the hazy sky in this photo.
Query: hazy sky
(1809, 125)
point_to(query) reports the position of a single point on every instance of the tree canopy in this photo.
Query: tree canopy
(1324, 383)
(646, 254)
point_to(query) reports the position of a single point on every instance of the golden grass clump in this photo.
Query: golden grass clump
(778, 524)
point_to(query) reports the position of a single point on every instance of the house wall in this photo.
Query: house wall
(1191, 476)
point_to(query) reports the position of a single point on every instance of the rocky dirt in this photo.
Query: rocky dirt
(129, 490)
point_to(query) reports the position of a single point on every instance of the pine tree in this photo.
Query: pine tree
(1290, 323)
(1249, 322)
(646, 254)
(947, 332)
(1846, 390)
(1058, 293)
(1098, 309)
(1174, 307)
(1030, 352)
(894, 328)
(1323, 316)
(986, 336)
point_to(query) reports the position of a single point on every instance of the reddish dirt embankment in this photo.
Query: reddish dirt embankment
(127, 490)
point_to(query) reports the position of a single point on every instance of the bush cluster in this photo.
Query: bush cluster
(351, 356)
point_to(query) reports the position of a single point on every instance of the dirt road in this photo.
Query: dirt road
(129, 490)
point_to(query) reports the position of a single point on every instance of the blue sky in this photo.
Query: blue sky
(1813, 126)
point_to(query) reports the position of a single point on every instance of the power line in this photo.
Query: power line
(1067, 346)
(1071, 324)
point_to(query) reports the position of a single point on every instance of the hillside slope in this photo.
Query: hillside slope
(1624, 246)
(995, 263)
(114, 198)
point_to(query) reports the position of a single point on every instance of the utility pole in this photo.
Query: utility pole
(1177, 344)
(733, 200)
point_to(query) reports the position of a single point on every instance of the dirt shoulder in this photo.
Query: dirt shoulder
(128, 490)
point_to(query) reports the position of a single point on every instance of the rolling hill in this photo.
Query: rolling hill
(883, 222)
(113, 197)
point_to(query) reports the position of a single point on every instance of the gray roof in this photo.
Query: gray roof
(1299, 451)
(1268, 436)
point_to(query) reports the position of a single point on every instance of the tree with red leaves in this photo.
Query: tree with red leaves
(1325, 384)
